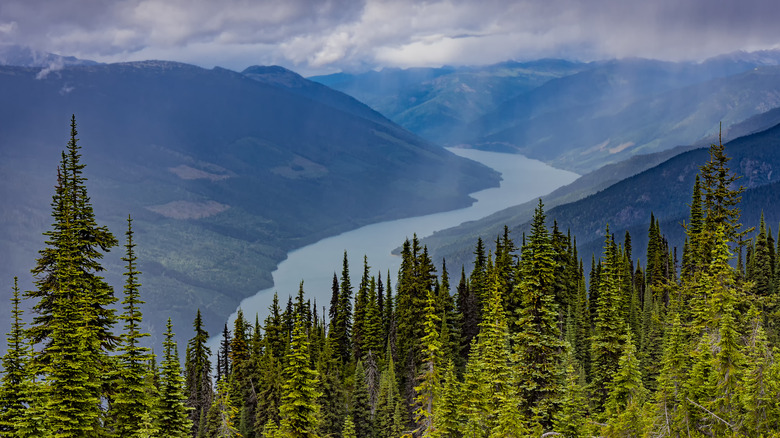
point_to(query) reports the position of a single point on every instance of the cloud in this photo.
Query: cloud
(53, 66)
(350, 34)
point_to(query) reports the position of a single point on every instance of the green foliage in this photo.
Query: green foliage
(538, 337)
(14, 398)
(298, 410)
(132, 396)
(197, 373)
(172, 414)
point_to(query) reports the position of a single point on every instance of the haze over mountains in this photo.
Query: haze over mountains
(573, 115)
(223, 172)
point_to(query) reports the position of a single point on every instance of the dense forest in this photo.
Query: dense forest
(532, 342)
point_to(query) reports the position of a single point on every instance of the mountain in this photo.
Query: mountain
(578, 116)
(664, 190)
(437, 103)
(22, 56)
(223, 173)
(584, 137)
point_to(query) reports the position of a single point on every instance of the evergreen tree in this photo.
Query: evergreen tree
(172, 413)
(13, 397)
(197, 373)
(223, 413)
(74, 317)
(342, 326)
(609, 333)
(569, 420)
(430, 373)
(331, 398)
(132, 397)
(348, 429)
(625, 404)
(538, 337)
(299, 409)
(360, 411)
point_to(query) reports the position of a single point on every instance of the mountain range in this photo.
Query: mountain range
(624, 196)
(223, 172)
(577, 116)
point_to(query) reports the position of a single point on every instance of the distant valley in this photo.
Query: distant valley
(222, 172)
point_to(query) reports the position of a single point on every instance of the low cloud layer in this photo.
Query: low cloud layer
(331, 35)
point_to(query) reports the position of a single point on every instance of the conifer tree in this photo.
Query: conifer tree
(672, 406)
(331, 397)
(569, 420)
(627, 395)
(342, 326)
(762, 414)
(74, 317)
(430, 374)
(13, 397)
(197, 373)
(348, 429)
(172, 414)
(360, 409)
(384, 418)
(223, 413)
(298, 408)
(538, 337)
(609, 331)
(132, 398)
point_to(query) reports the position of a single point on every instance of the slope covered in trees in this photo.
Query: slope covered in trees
(533, 342)
(212, 157)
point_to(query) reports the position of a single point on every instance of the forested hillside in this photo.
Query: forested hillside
(533, 341)
(239, 168)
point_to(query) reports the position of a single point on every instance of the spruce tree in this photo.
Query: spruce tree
(625, 405)
(132, 398)
(298, 410)
(609, 332)
(172, 413)
(13, 397)
(74, 317)
(360, 409)
(197, 373)
(538, 337)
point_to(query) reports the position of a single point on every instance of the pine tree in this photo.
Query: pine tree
(384, 418)
(430, 374)
(538, 337)
(627, 395)
(132, 398)
(762, 415)
(670, 397)
(348, 429)
(74, 314)
(299, 409)
(197, 373)
(13, 397)
(172, 414)
(609, 333)
(331, 398)
(569, 420)
(225, 413)
(360, 410)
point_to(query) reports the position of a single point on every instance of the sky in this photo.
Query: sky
(326, 36)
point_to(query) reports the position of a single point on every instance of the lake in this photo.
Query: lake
(523, 179)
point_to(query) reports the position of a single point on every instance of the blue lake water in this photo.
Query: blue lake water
(523, 179)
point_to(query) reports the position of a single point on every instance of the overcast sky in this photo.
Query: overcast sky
(323, 36)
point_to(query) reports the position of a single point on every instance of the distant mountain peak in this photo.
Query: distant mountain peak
(22, 56)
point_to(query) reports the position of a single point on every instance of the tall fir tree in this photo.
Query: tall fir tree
(298, 410)
(197, 373)
(172, 413)
(14, 399)
(132, 397)
(538, 338)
